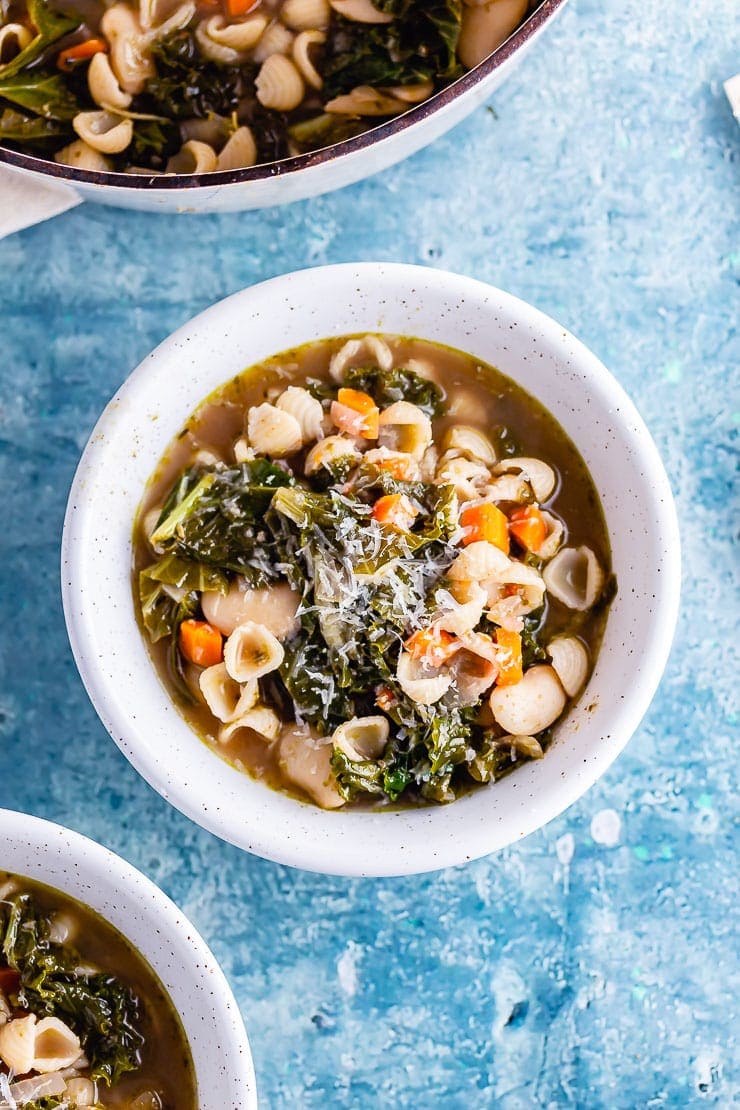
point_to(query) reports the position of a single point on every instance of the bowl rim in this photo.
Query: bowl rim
(80, 858)
(402, 856)
(312, 159)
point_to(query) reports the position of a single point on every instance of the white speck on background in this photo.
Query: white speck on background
(606, 827)
(347, 969)
(565, 848)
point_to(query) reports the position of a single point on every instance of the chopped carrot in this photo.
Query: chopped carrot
(356, 412)
(508, 657)
(434, 645)
(201, 643)
(240, 7)
(396, 510)
(528, 526)
(399, 466)
(485, 522)
(69, 58)
(385, 698)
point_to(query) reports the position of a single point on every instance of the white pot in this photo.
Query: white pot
(294, 178)
(154, 404)
(71, 863)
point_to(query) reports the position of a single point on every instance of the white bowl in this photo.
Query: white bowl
(306, 175)
(153, 405)
(85, 870)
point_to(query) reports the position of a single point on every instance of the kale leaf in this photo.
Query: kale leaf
(154, 141)
(24, 128)
(388, 386)
(419, 44)
(50, 26)
(47, 94)
(187, 84)
(158, 607)
(102, 1011)
(215, 516)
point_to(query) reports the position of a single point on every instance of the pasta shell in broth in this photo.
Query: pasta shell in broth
(362, 738)
(272, 431)
(103, 84)
(279, 85)
(239, 151)
(474, 667)
(306, 409)
(129, 55)
(507, 608)
(55, 1046)
(277, 39)
(228, 43)
(468, 477)
(104, 131)
(361, 11)
(405, 428)
(306, 15)
(532, 704)
(14, 37)
(261, 719)
(17, 1041)
(477, 563)
(575, 578)
(226, 698)
(354, 353)
(83, 157)
(424, 685)
(537, 473)
(459, 618)
(465, 440)
(301, 51)
(329, 451)
(193, 157)
(252, 651)
(570, 662)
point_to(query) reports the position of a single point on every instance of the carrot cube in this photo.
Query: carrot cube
(201, 643)
(485, 522)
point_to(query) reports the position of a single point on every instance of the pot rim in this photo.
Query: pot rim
(311, 160)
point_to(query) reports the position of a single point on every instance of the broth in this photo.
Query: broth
(164, 1063)
(475, 395)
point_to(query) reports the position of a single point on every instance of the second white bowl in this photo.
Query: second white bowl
(66, 861)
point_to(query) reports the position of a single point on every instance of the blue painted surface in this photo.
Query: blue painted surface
(592, 965)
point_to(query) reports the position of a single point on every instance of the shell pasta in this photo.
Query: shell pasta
(359, 597)
(134, 85)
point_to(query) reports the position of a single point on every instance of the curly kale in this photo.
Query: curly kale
(103, 1012)
(418, 44)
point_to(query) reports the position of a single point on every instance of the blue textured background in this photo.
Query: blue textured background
(593, 965)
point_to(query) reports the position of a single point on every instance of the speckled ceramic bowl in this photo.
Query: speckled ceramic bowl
(305, 175)
(154, 404)
(77, 866)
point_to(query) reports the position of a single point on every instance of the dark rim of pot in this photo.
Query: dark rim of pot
(285, 166)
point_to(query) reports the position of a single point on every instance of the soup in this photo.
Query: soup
(194, 86)
(84, 1021)
(373, 569)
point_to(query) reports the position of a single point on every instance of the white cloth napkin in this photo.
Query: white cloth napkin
(25, 201)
